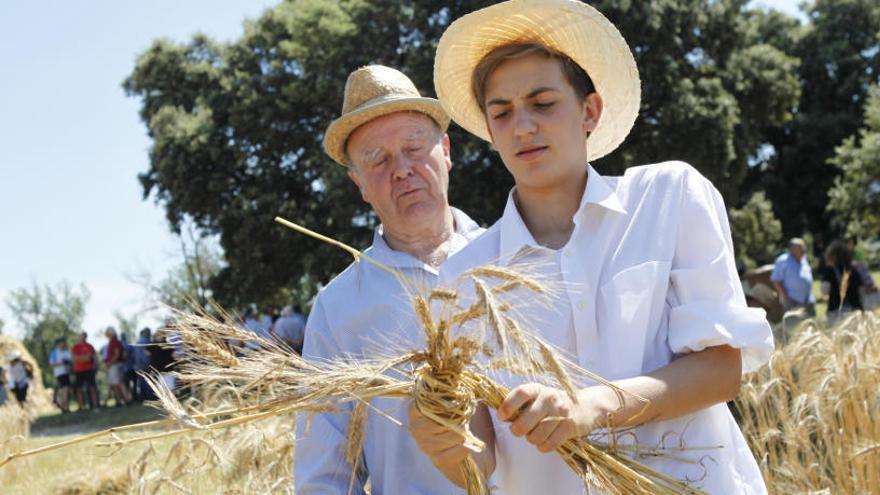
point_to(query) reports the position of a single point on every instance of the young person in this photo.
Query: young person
(649, 292)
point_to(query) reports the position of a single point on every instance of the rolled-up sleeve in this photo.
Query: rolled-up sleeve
(320, 466)
(706, 301)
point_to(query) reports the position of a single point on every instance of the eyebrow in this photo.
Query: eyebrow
(533, 93)
(369, 155)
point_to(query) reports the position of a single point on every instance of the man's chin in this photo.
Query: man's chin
(419, 210)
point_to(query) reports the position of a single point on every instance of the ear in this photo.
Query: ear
(446, 152)
(593, 107)
(357, 181)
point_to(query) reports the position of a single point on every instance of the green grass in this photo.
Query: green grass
(50, 472)
(88, 421)
(83, 463)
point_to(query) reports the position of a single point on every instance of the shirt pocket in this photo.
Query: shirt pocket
(628, 315)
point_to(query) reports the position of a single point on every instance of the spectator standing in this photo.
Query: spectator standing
(793, 278)
(84, 363)
(128, 365)
(20, 375)
(142, 391)
(290, 328)
(59, 360)
(257, 324)
(115, 364)
(838, 274)
(162, 361)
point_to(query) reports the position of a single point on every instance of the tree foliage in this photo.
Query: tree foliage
(46, 313)
(185, 283)
(839, 53)
(756, 231)
(855, 197)
(236, 128)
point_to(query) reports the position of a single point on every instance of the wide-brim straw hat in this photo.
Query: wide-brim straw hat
(371, 92)
(570, 27)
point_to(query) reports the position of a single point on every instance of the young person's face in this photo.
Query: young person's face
(537, 122)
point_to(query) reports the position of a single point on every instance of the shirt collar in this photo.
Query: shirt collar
(514, 233)
(465, 230)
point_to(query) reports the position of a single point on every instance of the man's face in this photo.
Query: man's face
(400, 163)
(537, 122)
(82, 337)
(797, 251)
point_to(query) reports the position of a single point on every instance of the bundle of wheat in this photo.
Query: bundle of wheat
(446, 379)
(811, 415)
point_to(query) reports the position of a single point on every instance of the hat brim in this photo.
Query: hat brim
(570, 27)
(340, 129)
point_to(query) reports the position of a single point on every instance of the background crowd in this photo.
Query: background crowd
(113, 375)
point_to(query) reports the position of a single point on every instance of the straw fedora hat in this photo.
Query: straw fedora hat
(371, 92)
(571, 27)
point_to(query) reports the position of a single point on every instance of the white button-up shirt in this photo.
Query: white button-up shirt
(647, 274)
(365, 313)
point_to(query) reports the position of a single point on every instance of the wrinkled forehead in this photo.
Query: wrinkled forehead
(388, 132)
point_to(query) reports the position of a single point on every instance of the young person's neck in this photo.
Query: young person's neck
(548, 212)
(429, 243)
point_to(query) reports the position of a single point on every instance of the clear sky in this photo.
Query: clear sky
(71, 142)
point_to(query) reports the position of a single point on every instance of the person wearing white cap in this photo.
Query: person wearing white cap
(21, 373)
(649, 294)
(394, 146)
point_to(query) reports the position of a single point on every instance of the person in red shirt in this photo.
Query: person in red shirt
(83, 356)
(115, 363)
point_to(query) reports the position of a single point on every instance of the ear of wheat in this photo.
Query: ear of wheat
(446, 380)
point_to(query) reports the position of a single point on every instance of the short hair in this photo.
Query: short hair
(576, 76)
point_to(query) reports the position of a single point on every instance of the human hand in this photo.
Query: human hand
(546, 416)
(445, 448)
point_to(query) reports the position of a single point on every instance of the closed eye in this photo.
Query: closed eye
(500, 115)
(546, 104)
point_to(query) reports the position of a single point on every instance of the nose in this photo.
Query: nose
(524, 124)
(403, 166)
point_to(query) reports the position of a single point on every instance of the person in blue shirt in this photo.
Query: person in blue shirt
(141, 363)
(793, 278)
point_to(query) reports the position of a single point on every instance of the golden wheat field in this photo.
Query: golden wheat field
(812, 418)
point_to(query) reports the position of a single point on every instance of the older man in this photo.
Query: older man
(394, 145)
(793, 278)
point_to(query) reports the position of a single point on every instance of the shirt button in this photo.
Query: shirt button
(582, 304)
